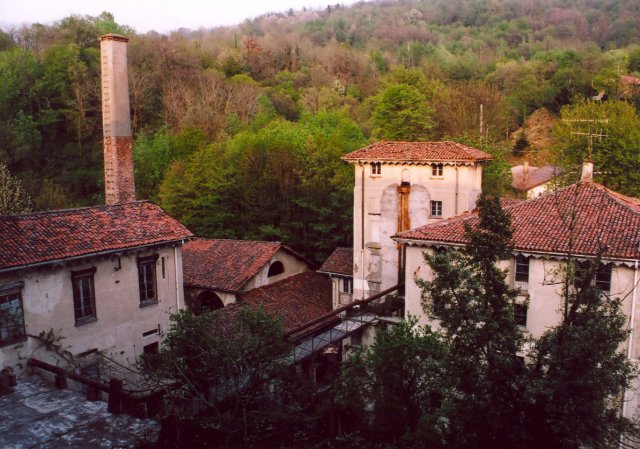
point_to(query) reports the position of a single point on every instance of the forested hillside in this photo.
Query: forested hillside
(239, 131)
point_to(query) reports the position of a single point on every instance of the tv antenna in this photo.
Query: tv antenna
(591, 133)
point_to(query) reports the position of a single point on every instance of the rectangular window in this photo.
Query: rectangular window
(437, 170)
(522, 273)
(147, 280)
(84, 300)
(603, 278)
(347, 285)
(376, 168)
(436, 208)
(520, 314)
(11, 315)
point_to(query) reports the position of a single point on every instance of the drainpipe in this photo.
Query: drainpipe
(456, 209)
(175, 265)
(362, 229)
(630, 343)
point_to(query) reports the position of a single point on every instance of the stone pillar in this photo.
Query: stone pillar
(116, 122)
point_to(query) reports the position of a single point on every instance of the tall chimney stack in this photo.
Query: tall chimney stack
(116, 122)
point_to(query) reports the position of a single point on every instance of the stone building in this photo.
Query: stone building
(530, 182)
(339, 267)
(404, 185)
(78, 282)
(216, 271)
(582, 220)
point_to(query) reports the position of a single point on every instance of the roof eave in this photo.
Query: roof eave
(89, 255)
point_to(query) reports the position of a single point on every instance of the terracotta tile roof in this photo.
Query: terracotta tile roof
(47, 236)
(222, 264)
(626, 79)
(524, 180)
(295, 300)
(603, 217)
(418, 152)
(339, 262)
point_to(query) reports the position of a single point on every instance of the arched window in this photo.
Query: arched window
(209, 301)
(275, 269)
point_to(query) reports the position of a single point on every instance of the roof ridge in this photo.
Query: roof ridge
(74, 209)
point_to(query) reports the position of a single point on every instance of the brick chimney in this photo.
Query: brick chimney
(116, 122)
(587, 171)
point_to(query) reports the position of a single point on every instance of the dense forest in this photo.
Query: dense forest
(238, 131)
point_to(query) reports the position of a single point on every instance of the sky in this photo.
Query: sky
(145, 15)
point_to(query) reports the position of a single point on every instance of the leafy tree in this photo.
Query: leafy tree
(577, 368)
(616, 155)
(13, 198)
(230, 363)
(402, 113)
(469, 295)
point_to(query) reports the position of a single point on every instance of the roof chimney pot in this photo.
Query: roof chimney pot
(587, 171)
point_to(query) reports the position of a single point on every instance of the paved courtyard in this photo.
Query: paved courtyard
(36, 415)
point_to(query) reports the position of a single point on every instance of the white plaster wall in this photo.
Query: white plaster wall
(545, 301)
(47, 299)
(375, 254)
(292, 265)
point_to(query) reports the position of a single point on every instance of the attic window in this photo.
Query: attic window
(275, 269)
(437, 170)
(376, 168)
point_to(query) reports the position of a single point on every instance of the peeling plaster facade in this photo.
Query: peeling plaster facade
(544, 299)
(123, 326)
(379, 212)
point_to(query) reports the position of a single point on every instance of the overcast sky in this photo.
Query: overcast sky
(145, 15)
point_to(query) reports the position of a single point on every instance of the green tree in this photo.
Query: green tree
(402, 113)
(579, 374)
(231, 364)
(13, 198)
(469, 295)
(616, 154)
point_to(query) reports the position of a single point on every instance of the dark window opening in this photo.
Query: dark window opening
(603, 277)
(376, 168)
(147, 280)
(11, 317)
(209, 301)
(84, 299)
(520, 314)
(151, 348)
(437, 170)
(522, 272)
(276, 268)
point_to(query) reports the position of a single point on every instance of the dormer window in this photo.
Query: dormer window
(437, 170)
(376, 168)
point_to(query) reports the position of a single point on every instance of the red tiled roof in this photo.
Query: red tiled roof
(626, 79)
(295, 300)
(339, 262)
(422, 152)
(603, 218)
(222, 264)
(47, 236)
(532, 177)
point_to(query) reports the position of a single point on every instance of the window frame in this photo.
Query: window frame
(346, 286)
(435, 206)
(8, 291)
(143, 283)
(437, 170)
(520, 277)
(376, 168)
(84, 311)
(604, 285)
(520, 311)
